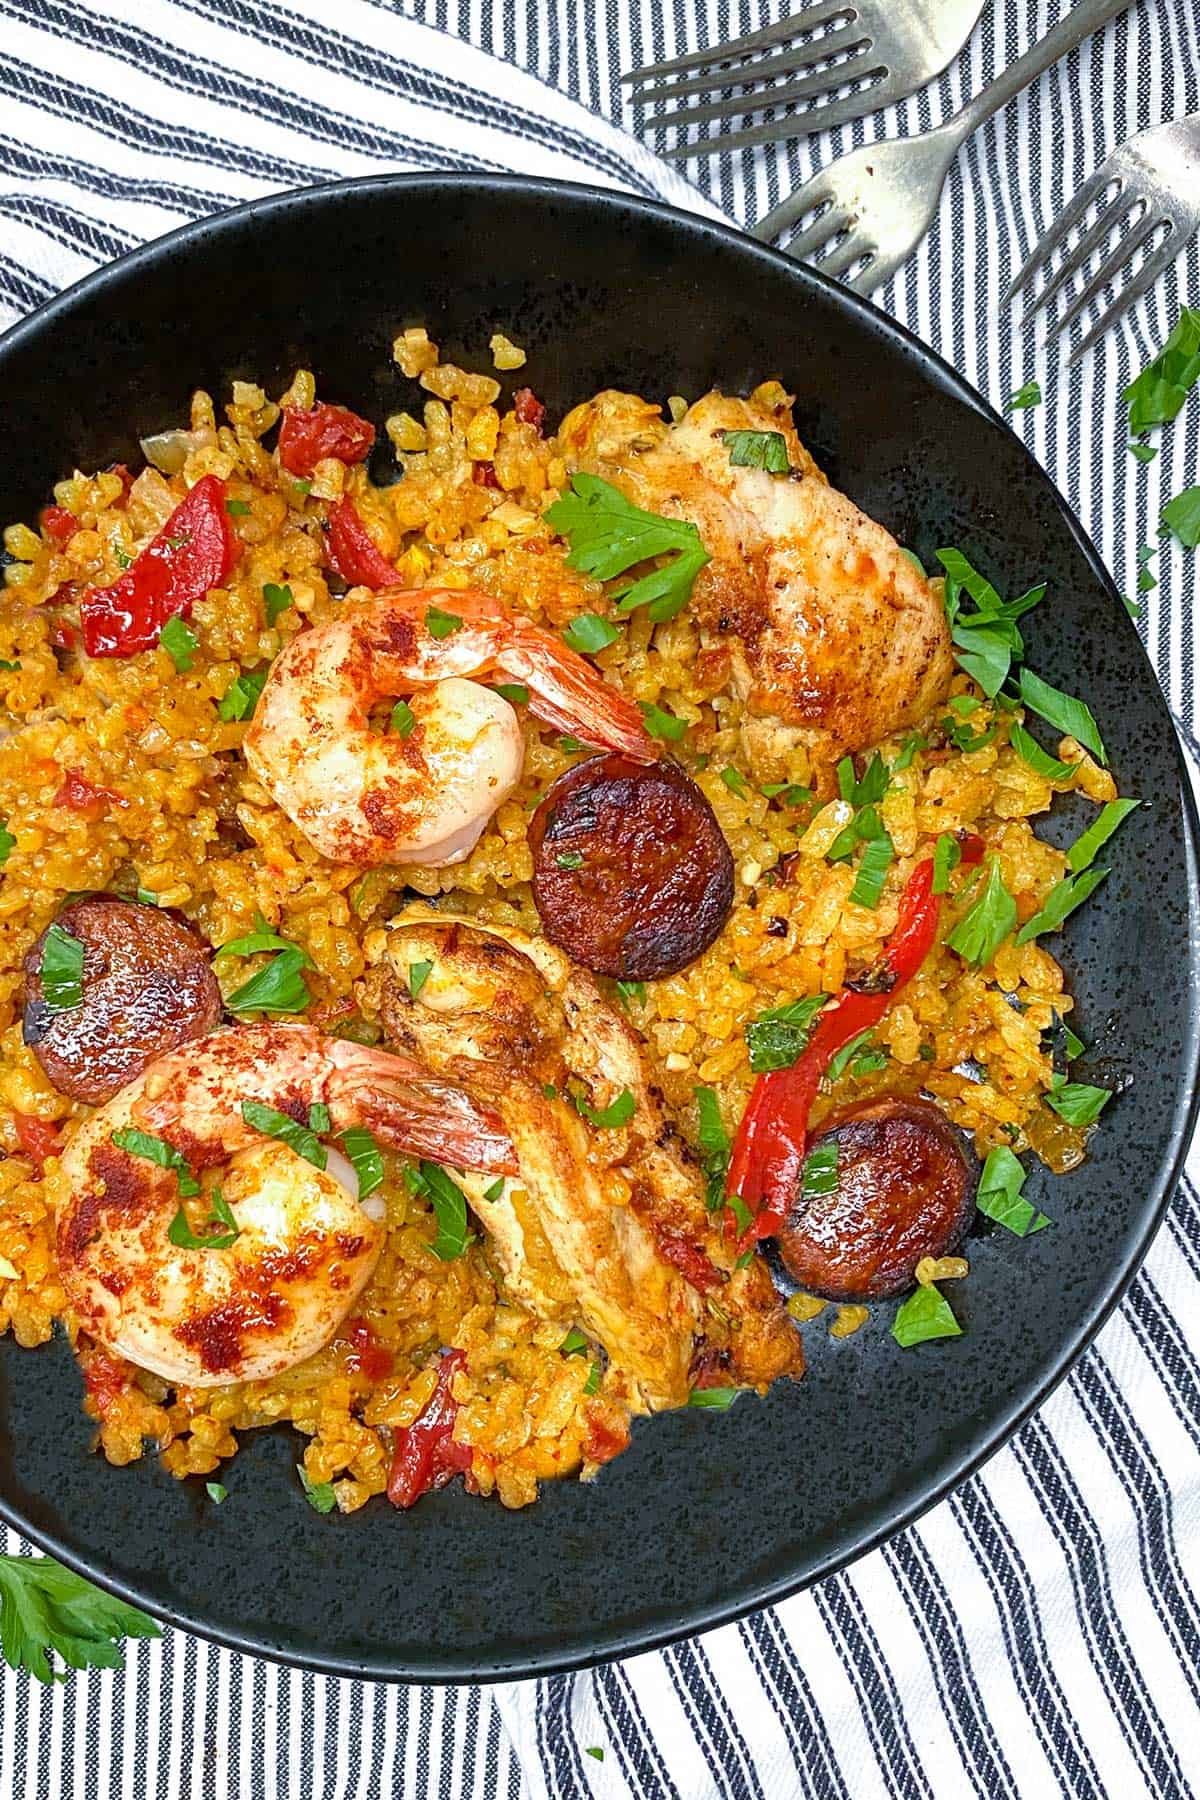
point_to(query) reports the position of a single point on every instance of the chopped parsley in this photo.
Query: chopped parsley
(275, 1124)
(777, 1037)
(1075, 1101)
(872, 871)
(735, 781)
(319, 1119)
(1000, 1198)
(418, 975)
(1143, 452)
(575, 1343)
(715, 1147)
(61, 972)
(662, 724)
(278, 988)
(570, 745)
(241, 696)
(157, 1150)
(925, 1314)
(1182, 516)
(758, 450)
(46, 1611)
(515, 692)
(608, 536)
(7, 842)
(788, 793)
(569, 859)
(404, 720)
(718, 1399)
(276, 600)
(212, 1237)
(1061, 902)
(632, 990)
(449, 1204)
(180, 643)
(859, 1056)
(947, 854)
(319, 1494)
(617, 1113)
(594, 1750)
(1156, 395)
(912, 743)
(1028, 394)
(361, 1151)
(589, 633)
(494, 1189)
(217, 1492)
(441, 624)
(986, 641)
(821, 1171)
(592, 1384)
(985, 925)
(237, 508)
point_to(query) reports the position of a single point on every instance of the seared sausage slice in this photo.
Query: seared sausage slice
(631, 875)
(147, 989)
(905, 1190)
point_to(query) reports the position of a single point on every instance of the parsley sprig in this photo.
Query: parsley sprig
(47, 1612)
(608, 536)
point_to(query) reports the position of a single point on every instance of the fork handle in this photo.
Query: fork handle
(1079, 22)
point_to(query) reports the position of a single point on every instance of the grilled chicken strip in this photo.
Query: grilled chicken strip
(606, 1225)
(836, 638)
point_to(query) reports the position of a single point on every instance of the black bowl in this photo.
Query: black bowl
(709, 1514)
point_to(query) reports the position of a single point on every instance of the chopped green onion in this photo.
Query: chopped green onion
(319, 1494)
(275, 1124)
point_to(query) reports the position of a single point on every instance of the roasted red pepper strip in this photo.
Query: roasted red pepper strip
(425, 1455)
(767, 1162)
(354, 553)
(308, 436)
(194, 551)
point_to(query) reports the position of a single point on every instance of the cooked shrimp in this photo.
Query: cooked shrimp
(425, 795)
(304, 1247)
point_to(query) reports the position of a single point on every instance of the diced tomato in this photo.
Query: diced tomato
(354, 553)
(38, 1138)
(601, 1440)
(483, 474)
(529, 409)
(425, 1455)
(80, 795)
(366, 1355)
(59, 524)
(105, 1379)
(194, 551)
(306, 437)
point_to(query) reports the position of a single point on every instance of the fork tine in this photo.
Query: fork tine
(808, 87)
(809, 18)
(843, 258)
(832, 222)
(804, 124)
(846, 37)
(1142, 282)
(1128, 245)
(1111, 216)
(1057, 232)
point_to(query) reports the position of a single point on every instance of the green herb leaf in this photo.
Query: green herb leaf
(157, 1150)
(857, 1057)
(872, 871)
(418, 975)
(515, 692)
(180, 643)
(594, 1750)
(276, 600)
(319, 1494)
(1063, 711)
(277, 988)
(984, 926)
(570, 744)
(404, 720)
(569, 859)
(1000, 1198)
(821, 1171)
(1156, 395)
(46, 1611)
(575, 1343)
(62, 970)
(1075, 1101)
(1028, 394)
(319, 1119)
(216, 1492)
(589, 633)
(758, 450)
(592, 1384)
(7, 842)
(237, 508)
(1040, 761)
(735, 781)
(608, 535)
(1143, 452)
(144, 897)
(275, 1124)
(788, 793)
(241, 696)
(449, 1209)
(777, 1037)
(632, 990)
(1083, 850)
(662, 724)
(714, 1145)
(617, 1113)
(924, 1315)
(988, 640)
(494, 1189)
(1061, 902)
(912, 744)
(963, 705)
(947, 854)
(261, 938)
(362, 1153)
(211, 1237)
(441, 624)
(1182, 516)
(719, 1399)
(6, 664)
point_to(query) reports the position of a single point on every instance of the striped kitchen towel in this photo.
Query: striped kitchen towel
(1039, 1632)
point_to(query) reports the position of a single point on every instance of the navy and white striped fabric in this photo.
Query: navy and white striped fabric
(1037, 1634)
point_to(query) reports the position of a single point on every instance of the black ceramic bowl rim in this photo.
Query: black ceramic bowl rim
(999, 1426)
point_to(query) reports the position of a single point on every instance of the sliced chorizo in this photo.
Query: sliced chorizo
(631, 875)
(147, 988)
(904, 1190)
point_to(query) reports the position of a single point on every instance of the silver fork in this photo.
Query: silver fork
(895, 46)
(875, 204)
(1150, 183)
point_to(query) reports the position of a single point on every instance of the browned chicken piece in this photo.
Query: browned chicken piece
(836, 638)
(606, 1226)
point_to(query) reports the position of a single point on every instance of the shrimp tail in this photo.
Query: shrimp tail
(418, 1113)
(567, 693)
